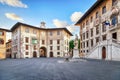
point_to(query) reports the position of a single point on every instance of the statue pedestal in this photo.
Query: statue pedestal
(76, 53)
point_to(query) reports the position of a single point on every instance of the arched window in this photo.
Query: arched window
(97, 14)
(114, 20)
(114, 2)
(104, 10)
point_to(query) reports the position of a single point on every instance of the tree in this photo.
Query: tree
(71, 45)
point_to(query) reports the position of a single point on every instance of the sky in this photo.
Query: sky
(55, 13)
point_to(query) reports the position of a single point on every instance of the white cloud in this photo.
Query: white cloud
(14, 3)
(13, 16)
(76, 16)
(59, 23)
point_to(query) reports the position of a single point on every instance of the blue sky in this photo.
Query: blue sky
(56, 13)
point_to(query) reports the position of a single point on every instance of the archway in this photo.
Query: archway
(34, 54)
(103, 53)
(51, 54)
(43, 52)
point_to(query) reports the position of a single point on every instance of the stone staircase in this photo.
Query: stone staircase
(112, 50)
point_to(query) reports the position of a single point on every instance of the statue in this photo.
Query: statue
(76, 42)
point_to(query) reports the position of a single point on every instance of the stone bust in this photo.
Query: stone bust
(76, 42)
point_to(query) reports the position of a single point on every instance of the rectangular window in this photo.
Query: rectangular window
(58, 53)
(34, 32)
(83, 36)
(91, 42)
(91, 19)
(27, 30)
(51, 33)
(1, 41)
(87, 43)
(58, 47)
(51, 48)
(43, 41)
(84, 44)
(104, 37)
(26, 47)
(58, 32)
(58, 41)
(34, 47)
(87, 35)
(97, 39)
(91, 32)
(97, 14)
(97, 30)
(26, 53)
(103, 27)
(26, 39)
(51, 42)
(1, 33)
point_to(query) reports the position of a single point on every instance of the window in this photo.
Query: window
(103, 27)
(114, 20)
(51, 42)
(58, 47)
(97, 39)
(87, 43)
(114, 2)
(51, 33)
(26, 47)
(58, 32)
(91, 32)
(26, 39)
(27, 30)
(34, 47)
(58, 53)
(97, 30)
(83, 25)
(34, 32)
(83, 36)
(97, 15)
(1, 33)
(87, 22)
(104, 10)
(51, 48)
(43, 41)
(26, 53)
(81, 45)
(91, 19)
(1, 41)
(58, 41)
(87, 35)
(91, 42)
(104, 37)
(84, 45)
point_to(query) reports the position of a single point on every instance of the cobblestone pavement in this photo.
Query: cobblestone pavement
(57, 69)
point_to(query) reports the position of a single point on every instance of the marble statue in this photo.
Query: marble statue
(76, 42)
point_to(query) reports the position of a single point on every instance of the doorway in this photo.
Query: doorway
(51, 54)
(103, 53)
(34, 54)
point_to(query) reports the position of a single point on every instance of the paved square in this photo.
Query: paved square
(52, 69)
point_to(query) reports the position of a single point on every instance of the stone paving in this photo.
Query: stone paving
(58, 69)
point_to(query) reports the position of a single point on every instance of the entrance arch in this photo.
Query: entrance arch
(103, 52)
(51, 54)
(34, 54)
(43, 52)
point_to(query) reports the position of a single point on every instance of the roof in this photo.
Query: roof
(19, 23)
(5, 29)
(98, 2)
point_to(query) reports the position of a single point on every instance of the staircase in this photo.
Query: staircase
(112, 50)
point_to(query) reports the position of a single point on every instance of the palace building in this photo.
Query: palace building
(29, 41)
(3, 38)
(100, 30)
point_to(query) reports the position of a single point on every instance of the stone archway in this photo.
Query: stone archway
(34, 54)
(103, 52)
(43, 52)
(51, 54)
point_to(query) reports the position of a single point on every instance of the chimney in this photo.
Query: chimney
(42, 25)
